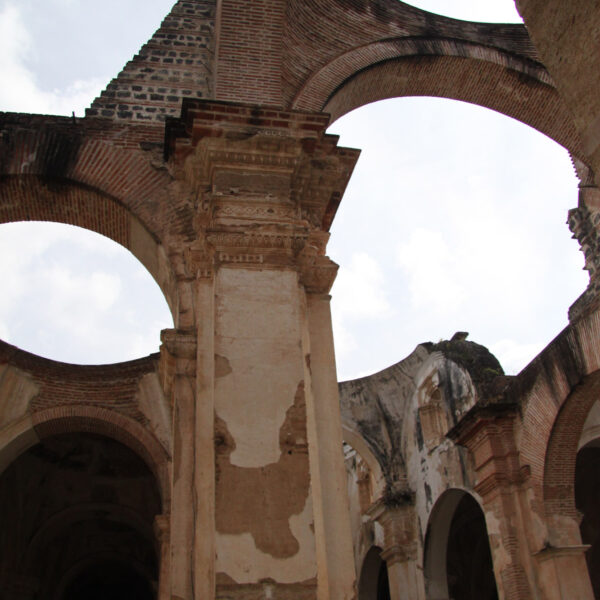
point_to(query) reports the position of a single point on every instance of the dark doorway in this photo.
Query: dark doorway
(374, 582)
(109, 579)
(468, 559)
(587, 501)
(76, 521)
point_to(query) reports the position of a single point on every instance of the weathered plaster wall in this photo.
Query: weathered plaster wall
(261, 439)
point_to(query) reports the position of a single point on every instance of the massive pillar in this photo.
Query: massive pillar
(259, 503)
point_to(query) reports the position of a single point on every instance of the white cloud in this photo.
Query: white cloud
(105, 289)
(513, 355)
(20, 91)
(434, 280)
(89, 302)
(358, 295)
(359, 289)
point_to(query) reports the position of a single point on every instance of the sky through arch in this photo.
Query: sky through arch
(73, 295)
(454, 220)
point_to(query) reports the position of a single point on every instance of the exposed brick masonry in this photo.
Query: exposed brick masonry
(177, 62)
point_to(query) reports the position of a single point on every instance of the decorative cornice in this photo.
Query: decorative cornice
(479, 416)
(200, 259)
(179, 343)
(237, 156)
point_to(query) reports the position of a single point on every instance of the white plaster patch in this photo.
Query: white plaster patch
(238, 556)
(258, 332)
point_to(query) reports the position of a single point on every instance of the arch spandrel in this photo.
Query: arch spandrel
(494, 86)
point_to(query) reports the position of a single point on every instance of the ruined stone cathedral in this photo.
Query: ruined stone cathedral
(231, 465)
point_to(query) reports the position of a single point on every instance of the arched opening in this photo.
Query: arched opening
(374, 582)
(76, 521)
(76, 296)
(458, 562)
(587, 502)
(447, 220)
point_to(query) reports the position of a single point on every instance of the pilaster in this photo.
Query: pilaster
(332, 522)
(179, 352)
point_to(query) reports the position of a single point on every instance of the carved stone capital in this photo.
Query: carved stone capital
(200, 259)
(179, 343)
(399, 553)
(399, 531)
(317, 274)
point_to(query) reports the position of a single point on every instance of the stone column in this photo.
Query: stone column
(161, 533)
(179, 350)
(400, 551)
(335, 561)
(204, 460)
(192, 535)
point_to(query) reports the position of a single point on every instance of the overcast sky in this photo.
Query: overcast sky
(454, 218)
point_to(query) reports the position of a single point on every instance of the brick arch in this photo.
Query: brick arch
(466, 72)
(110, 161)
(556, 392)
(37, 198)
(323, 84)
(561, 454)
(101, 421)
